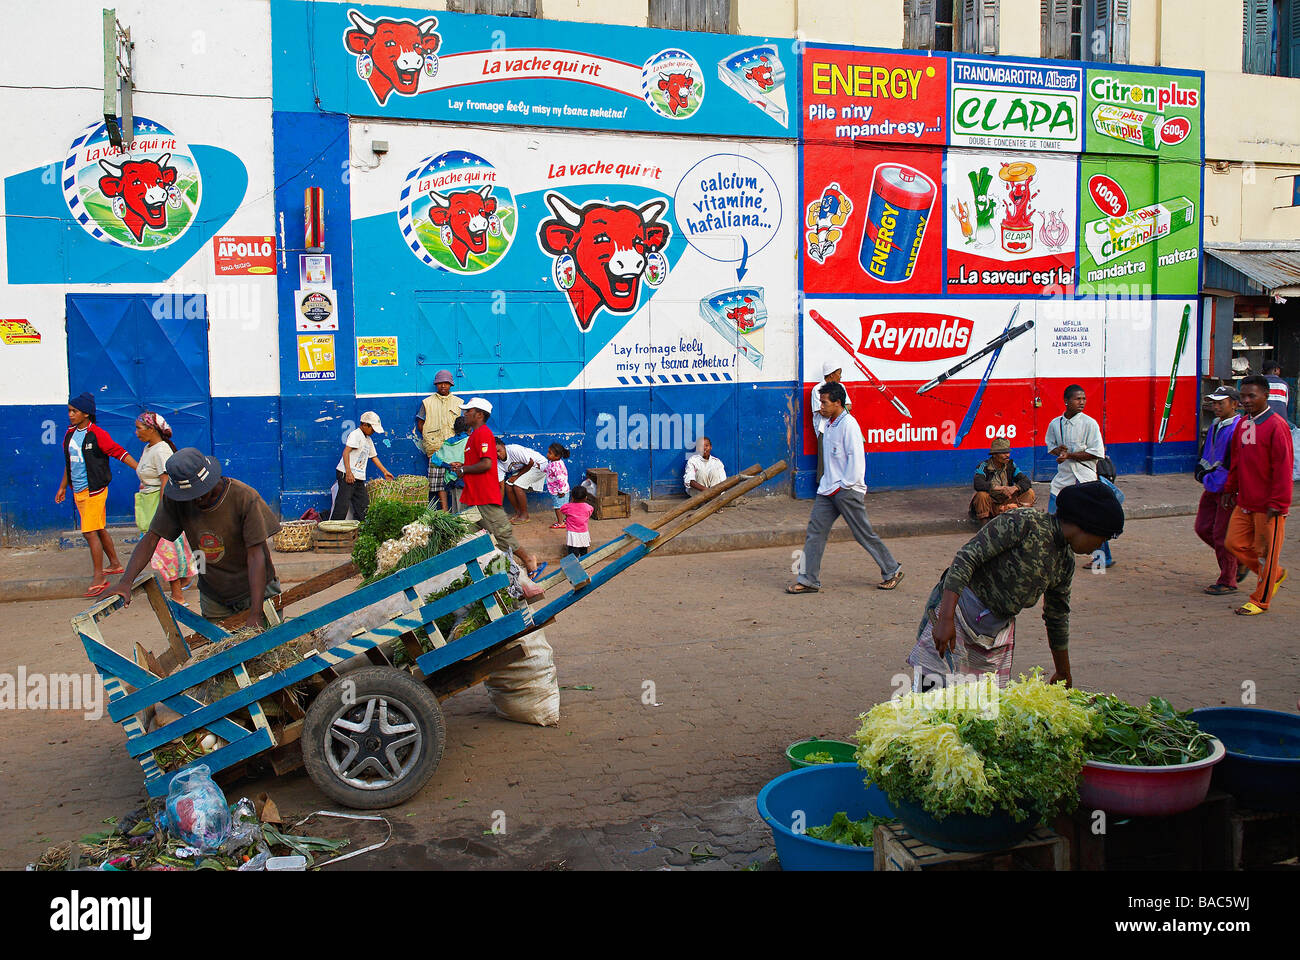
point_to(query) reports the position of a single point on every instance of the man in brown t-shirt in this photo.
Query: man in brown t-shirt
(228, 524)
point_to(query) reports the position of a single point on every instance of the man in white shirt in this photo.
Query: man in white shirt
(1074, 438)
(351, 469)
(841, 493)
(831, 373)
(703, 470)
(522, 469)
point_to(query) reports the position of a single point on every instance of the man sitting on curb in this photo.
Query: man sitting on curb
(229, 525)
(999, 484)
(703, 470)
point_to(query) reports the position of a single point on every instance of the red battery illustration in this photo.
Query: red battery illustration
(899, 209)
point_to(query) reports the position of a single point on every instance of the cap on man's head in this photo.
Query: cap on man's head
(1000, 445)
(83, 402)
(190, 474)
(477, 403)
(1093, 507)
(829, 367)
(442, 376)
(1224, 393)
(372, 418)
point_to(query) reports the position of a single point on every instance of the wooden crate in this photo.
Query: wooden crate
(1260, 840)
(612, 508)
(329, 541)
(1199, 839)
(898, 851)
(606, 481)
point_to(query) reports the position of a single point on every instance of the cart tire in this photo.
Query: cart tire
(373, 738)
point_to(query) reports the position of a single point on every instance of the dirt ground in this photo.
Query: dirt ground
(739, 670)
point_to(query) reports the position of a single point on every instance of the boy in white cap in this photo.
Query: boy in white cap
(435, 424)
(832, 370)
(351, 469)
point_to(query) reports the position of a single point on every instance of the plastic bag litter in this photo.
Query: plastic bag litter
(528, 690)
(196, 809)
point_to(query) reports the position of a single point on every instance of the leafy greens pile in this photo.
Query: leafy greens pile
(974, 749)
(1156, 735)
(850, 833)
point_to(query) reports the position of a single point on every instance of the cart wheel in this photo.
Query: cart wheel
(373, 738)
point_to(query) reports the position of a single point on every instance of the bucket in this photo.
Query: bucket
(819, 792)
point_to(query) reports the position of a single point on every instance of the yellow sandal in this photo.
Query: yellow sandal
(1250, 609)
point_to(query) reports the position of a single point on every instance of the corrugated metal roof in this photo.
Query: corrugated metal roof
(1273, 270)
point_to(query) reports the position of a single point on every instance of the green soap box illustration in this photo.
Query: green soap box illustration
(1112, 237)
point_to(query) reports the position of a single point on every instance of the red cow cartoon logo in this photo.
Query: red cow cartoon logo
(465, 213)
(743, 315)
(142, 185)
(609, 244)
(761, 76)
(397, 50)
(677, 86)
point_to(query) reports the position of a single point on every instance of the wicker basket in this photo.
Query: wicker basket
(408, 488)
(295, 536)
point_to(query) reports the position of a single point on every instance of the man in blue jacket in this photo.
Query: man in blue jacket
(1212, 471)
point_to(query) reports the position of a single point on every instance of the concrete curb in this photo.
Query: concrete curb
(692, 541)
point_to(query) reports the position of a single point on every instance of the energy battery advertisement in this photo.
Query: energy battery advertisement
(962, 268)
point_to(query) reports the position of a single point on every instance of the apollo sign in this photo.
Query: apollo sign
(243, 256)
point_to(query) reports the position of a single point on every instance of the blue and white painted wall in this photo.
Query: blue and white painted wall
(110, 257)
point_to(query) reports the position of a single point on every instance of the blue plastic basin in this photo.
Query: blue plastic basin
(820, 792)
(1262, 768)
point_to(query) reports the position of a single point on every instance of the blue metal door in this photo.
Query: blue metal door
(134, 353)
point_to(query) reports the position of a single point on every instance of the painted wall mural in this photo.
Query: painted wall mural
(641, 260)
(976, 234)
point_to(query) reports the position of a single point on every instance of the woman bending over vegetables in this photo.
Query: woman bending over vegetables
(969, 626)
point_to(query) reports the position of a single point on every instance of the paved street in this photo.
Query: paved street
(739, 670)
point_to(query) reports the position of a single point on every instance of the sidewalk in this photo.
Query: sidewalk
(61, 568)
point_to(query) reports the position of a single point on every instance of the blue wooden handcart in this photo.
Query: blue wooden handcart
(370, 736)
(362, 716)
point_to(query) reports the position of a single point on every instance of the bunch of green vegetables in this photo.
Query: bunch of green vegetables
(445, 531)
(818, 756)
(850, 833)
(975, 749)
(384, 521)
(1155, 735)
(457, 624)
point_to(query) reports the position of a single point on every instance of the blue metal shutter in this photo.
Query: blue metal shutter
(1257, 36)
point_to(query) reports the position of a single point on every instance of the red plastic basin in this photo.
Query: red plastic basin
(1137, 791)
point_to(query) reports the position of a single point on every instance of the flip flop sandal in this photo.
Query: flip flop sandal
(557, 526)
(538, 570)
(892, 582)
(1280, 580)
(797, 588)
(95, 590)
(123, 570)
(1249, 609)
(1219, 589)
(515, 521)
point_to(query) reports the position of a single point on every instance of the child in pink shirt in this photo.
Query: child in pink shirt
(557, 480)
(576, 514)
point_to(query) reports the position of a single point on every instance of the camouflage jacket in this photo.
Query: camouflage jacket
(1017, 557)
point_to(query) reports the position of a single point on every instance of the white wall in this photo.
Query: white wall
(182, 56)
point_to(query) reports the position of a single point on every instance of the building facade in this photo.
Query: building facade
(627, 237)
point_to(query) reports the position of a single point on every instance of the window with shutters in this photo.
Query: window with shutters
(500, 8)
(1270, 37)
(1095, 30)
(928, 24)
(697, 16)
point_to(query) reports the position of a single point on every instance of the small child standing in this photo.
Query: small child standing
(557, 480)
(451, 451)
(576, 514)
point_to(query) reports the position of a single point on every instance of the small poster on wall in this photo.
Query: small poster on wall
(376, 351)
(315, 271)
(317, 310)
(316, 357)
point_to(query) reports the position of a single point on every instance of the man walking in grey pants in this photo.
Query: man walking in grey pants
(842, 493)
